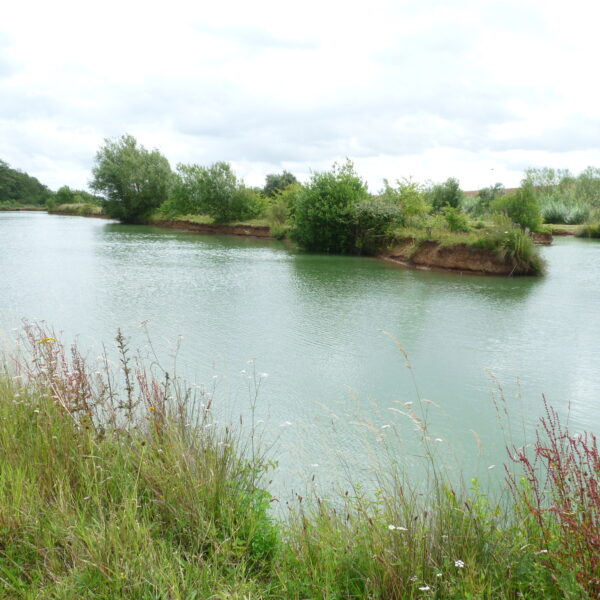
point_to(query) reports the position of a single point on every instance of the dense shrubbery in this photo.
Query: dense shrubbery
(214, 191)
(563, 197)
(445, 194)
(324, 212)
(521, 207)
(277, 182)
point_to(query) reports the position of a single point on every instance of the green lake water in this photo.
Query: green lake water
(317, 326)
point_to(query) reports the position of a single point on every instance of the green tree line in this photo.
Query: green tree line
(17, 187)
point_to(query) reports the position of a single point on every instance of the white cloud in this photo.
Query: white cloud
(473, 89)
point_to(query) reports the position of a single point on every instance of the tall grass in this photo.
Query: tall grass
(119, 484)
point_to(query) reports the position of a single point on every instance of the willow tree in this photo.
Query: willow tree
(133, 181)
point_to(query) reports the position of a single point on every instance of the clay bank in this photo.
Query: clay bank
(457, 258)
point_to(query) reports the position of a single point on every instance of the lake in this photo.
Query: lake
(326, 330)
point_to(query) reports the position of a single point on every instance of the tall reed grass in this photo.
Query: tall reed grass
(116, 482)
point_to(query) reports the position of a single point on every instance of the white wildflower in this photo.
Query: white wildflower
(459, 563)
(424, 588)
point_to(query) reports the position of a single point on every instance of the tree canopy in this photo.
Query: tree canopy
(215, 191)
(133, 181)
(277, 182)
(18, 187)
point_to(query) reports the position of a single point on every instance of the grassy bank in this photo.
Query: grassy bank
(11, 206)
(78, 210)
(140, 494)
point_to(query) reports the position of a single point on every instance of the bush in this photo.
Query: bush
(521, 207)
(560, 493)
(213, 191)
(277, 182)
(373, 221)
(555, 212)
(486, 196)
(410, 197)
(445, 194)
(456, 220)
(590, 230)
(324, 219)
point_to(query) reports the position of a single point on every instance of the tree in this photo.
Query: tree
(133, 180)
(213, 191)
(410, 197)
(18, 187)
(277, 182)
(521, 206)
(325, 210)
(445, 194)
(487, 196)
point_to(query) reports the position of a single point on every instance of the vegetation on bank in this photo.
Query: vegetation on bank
(121, 485)
(18, 189)
(333, 212)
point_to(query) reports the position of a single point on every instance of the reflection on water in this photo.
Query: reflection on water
(316, 324)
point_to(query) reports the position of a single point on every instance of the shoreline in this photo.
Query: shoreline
(457, 259)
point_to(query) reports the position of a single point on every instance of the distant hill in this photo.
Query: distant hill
(17, 187)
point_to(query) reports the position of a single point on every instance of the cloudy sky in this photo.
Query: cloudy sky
(479, 90)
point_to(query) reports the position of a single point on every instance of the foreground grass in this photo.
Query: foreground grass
(141, 495)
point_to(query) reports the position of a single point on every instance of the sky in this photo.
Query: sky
(478, 90)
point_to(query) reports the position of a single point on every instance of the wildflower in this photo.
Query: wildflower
(397, 528)
(47, 340)
(424, 588)
(438, 574)
(413, 578)
(152, 408)
(459, 563)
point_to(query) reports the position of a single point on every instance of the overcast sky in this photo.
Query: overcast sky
(479, 90)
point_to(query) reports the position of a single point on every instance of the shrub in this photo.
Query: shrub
(590, 230)
(456, 220)
(445, 194)
(512, 243)
(278, 182)
(410, 197)
(521, 207)
(486, 197)
(561, 494)
(555, 212)
(213, 191)
(578, 214)
(373, 221)
(324, 219)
